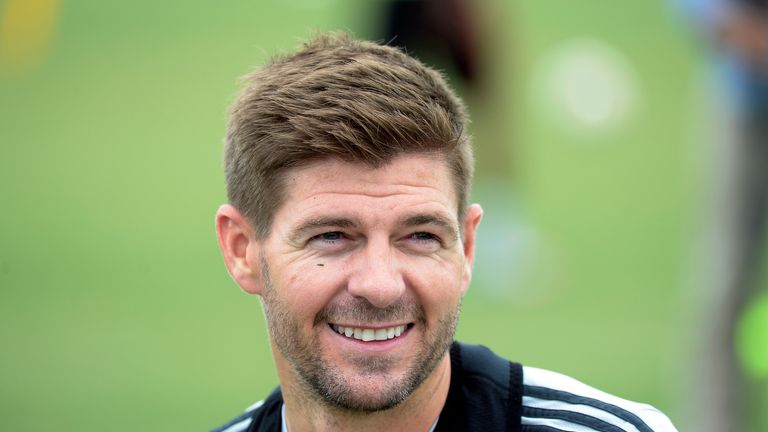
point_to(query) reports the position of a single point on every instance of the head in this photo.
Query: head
(339, 98)
(348, 170)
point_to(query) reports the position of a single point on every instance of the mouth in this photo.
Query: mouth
(366, 334)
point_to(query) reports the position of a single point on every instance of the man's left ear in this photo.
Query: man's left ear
(472, 219)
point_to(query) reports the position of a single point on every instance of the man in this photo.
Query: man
(348, 169)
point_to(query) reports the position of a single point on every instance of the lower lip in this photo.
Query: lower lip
(374, 345)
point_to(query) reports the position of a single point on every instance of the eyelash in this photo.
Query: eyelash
(322, 237)
(420, 237)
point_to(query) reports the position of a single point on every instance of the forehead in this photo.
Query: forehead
(407, 181)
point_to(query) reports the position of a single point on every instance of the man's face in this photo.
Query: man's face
(364, 271)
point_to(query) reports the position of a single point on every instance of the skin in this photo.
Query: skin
(745, 32)
(359, 247)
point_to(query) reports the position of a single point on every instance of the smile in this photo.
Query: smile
(369, 334)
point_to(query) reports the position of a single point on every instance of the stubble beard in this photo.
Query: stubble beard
(329, 384)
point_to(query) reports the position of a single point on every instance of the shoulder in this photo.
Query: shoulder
(553, 401)
(264, 415)
(486, 388)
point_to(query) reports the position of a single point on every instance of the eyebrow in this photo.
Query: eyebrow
(313, 224)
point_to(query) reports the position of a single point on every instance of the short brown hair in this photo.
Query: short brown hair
(338, 97)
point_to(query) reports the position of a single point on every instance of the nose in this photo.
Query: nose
(376, 276)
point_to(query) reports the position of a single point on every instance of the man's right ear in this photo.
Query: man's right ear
(240, 248)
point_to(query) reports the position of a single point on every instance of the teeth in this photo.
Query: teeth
(368, 334)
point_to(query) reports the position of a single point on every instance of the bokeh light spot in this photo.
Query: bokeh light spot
(752, 338)
(587, 84)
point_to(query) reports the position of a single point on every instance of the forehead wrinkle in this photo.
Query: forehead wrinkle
(375, 192)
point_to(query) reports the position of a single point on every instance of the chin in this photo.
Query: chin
(365, 401)
(370, 391)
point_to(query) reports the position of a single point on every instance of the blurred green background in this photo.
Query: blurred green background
(116, 311)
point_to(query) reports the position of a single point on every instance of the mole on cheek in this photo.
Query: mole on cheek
(320, 265)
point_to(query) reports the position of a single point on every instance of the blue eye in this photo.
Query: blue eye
(330, 241)
(331, 236)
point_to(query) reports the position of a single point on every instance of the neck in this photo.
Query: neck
(417, 413)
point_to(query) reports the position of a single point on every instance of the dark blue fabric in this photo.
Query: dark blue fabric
(485, 393)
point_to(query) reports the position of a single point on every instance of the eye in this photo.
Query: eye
(422, 242)
(331, 242)
(425, 237)
(329, 237)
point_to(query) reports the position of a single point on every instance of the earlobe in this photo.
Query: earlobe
(471, 221)
(240, 248)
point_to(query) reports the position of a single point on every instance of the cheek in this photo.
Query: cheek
(438, 287)
(310, 288)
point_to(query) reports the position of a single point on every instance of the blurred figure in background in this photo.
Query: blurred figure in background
(454, 37)
(439, 32)
(738, 32)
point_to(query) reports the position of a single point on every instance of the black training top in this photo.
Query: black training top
(491, 394)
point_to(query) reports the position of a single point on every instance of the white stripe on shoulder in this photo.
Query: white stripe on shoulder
(254, 406)
(243, 424)
(560, 425)
(653, 418)
(557, 405)
(239, 426)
